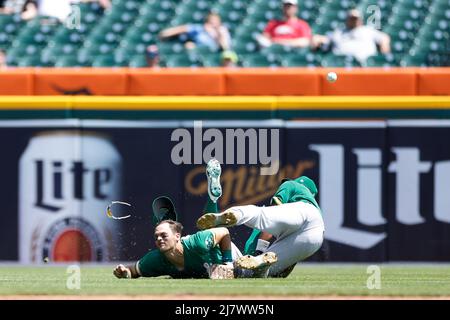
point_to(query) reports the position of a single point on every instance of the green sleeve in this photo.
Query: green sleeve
(201, 242)
(284, 192)
(151, 265)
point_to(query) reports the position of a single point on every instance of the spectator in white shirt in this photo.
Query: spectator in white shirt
(59, 9)
(357, 40)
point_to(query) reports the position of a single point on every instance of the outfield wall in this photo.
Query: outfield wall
(225, 108)
(383, 183)
(225, 82)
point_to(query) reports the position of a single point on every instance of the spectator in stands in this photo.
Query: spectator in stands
(152, 56)
(59, 9)
(357, 40)
(5, 7)
(2, 60)
(17, 7)
(291, 31)
(229, 59)
(29, 10)
(210, 34)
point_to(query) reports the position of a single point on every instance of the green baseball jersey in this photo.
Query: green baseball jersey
(294, 191)
(198, 249)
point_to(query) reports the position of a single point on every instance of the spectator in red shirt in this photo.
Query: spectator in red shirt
(291, 31)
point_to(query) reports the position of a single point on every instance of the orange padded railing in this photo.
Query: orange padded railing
(225, 82)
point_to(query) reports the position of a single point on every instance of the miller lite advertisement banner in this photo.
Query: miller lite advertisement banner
(384, 186)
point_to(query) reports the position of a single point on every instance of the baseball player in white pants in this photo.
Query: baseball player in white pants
(298, 228)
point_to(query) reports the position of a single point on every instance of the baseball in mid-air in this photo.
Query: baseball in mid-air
(332, 76)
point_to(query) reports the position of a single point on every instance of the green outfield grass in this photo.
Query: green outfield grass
(306, 280)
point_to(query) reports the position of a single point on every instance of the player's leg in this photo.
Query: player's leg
(293, 249)
(279, 220)
(284, 254)
(252, 242)
(211, 206)
(213, 171)
(235, 252)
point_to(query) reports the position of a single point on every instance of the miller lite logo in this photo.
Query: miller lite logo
(50, 193)
(66, 178)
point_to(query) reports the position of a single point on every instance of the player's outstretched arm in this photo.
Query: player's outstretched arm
(126, 272)
(226, 269)
(223, 239)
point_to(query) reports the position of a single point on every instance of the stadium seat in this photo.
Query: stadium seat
(202, 50)
(266, 4)
(332, 60)
(212, 60)
(299, 60)
(245, 46)
(184, 60)
(66, 61)
(277, 50)
(108, 60)
(162, 17)
(343, 4)
(29, 61)
(138, 61)
(20, 50)
(54, 50)
(167, 48)
(255, 15)
(5, 40)
(382, 60)
(414, 60)
(259, 60)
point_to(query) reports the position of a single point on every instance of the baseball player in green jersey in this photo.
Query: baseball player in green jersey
(205, 254)
(289, 191)
(296, 223)
(182, 257)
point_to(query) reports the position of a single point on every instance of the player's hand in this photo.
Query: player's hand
(122, 272)
(222, 271)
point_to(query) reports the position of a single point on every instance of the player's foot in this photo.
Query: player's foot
(213, 220)
(213, 171)
(252, 263)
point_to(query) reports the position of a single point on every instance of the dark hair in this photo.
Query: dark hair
(175, 226)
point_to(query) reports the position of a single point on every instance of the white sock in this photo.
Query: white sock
(262, 245)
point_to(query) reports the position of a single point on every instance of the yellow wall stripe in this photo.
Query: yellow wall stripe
(237, 103)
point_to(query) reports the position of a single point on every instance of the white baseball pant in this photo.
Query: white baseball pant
(298, 228)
